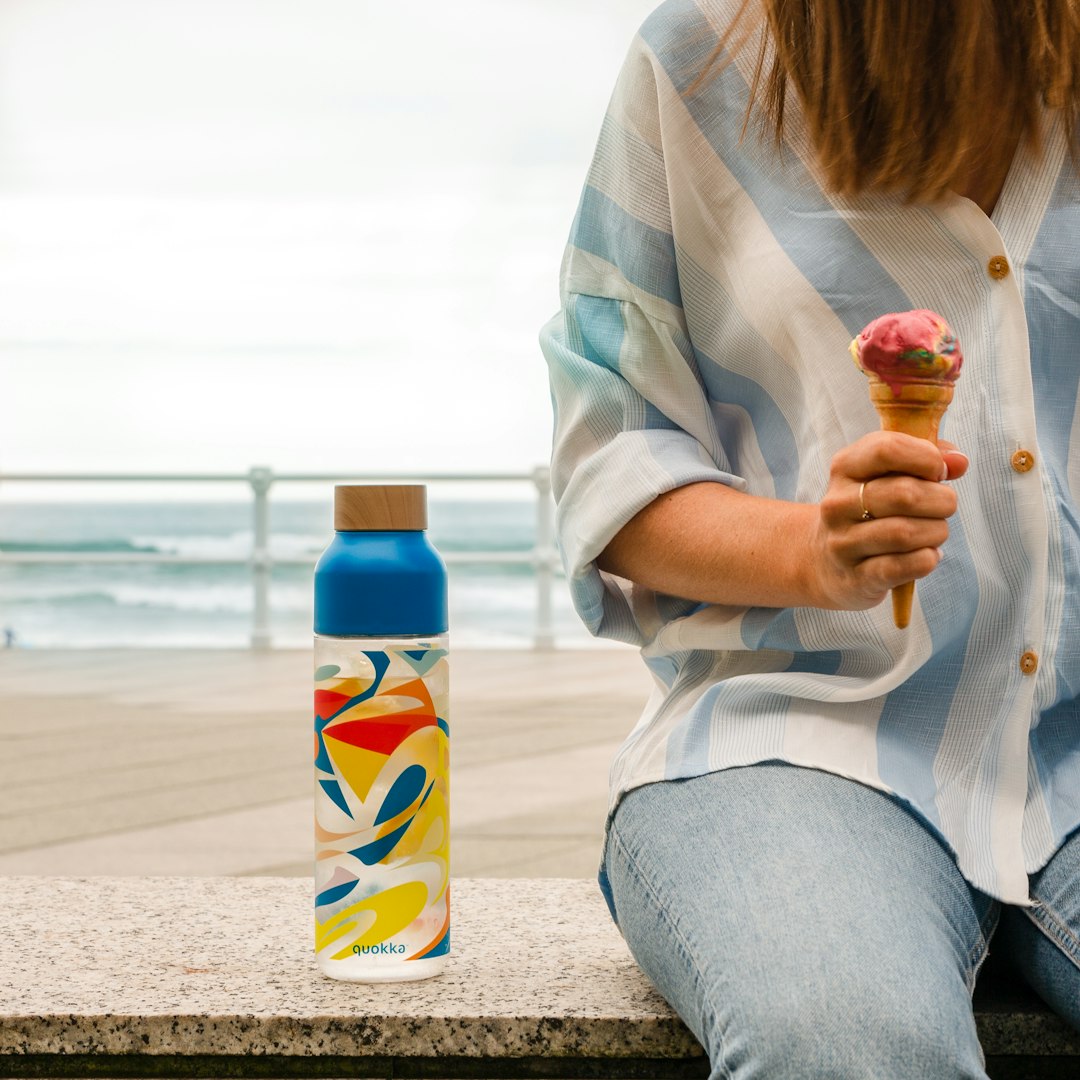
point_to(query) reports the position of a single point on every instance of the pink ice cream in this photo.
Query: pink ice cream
(912, 360)
(908, 347)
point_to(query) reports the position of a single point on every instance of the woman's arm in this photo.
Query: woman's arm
(709, 542)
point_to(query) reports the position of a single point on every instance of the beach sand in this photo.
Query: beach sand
(198, 762)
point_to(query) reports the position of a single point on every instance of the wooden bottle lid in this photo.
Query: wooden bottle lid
(380, 507)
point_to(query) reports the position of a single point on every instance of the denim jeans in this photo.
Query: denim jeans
(804, 925)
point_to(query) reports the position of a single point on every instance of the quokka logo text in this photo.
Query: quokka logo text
(384, 948)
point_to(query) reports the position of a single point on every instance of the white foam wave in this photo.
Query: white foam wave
(204, 598)
(236, 545)
(211, 598)
(509, 597)
(232, 546)
(297, 544)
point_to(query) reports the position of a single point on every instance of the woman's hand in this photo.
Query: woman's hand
(708, 542)
(883, 519)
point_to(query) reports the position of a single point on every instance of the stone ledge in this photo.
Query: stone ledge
(207, 976)
(221, 966)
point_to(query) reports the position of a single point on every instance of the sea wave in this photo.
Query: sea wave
(155, 614)
(205, 599)
(236, 545)
(475, 594)
(25, 547)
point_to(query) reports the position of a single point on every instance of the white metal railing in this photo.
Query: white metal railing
(542, 557)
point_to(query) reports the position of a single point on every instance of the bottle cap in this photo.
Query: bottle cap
(380, 508)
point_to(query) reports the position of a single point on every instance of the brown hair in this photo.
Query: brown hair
(914, 96)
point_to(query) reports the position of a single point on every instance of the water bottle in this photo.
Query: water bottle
(382, 829)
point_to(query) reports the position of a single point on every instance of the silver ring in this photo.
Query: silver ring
(866, 515)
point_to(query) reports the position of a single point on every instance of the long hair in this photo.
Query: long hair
(914, 96)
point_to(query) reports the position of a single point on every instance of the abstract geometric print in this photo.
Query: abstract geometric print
(381, 805)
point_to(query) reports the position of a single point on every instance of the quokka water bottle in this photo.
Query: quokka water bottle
(382, 829)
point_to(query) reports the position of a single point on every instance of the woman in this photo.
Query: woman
(820, 820)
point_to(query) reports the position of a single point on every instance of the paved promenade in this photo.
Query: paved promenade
(198, 762)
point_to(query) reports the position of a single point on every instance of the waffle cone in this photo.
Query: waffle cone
(913, 408)
(916, 409)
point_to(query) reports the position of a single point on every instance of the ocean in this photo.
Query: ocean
(209, 605)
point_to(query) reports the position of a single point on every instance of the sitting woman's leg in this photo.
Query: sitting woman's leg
(802, 925)
(1044, 941)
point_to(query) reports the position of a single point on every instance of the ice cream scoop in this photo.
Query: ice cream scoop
(909, 347)
(912, 359)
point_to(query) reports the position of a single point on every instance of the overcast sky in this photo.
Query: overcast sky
(311, 234)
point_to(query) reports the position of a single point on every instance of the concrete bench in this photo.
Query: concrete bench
(215, 977)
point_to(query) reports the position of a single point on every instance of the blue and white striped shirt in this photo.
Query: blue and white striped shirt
(710, 290)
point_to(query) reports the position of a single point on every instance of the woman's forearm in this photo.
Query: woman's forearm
(711, 543)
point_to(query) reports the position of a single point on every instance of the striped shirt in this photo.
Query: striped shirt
(709, 292)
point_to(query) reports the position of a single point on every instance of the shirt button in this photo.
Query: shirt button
(1023, 461)
(1029, 662)
(998, 267)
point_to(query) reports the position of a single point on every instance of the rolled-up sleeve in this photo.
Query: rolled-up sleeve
(616, 448)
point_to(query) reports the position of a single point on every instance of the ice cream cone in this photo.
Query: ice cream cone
(915, 409)
(912, 360)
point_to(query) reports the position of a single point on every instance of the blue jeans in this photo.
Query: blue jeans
(804, 925)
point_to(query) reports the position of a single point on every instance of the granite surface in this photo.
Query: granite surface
(226, 966)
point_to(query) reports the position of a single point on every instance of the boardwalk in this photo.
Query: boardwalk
(199, 761)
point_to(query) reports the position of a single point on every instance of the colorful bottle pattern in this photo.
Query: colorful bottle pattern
(382, 809)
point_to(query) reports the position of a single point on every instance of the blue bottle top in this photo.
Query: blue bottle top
(379, 582)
